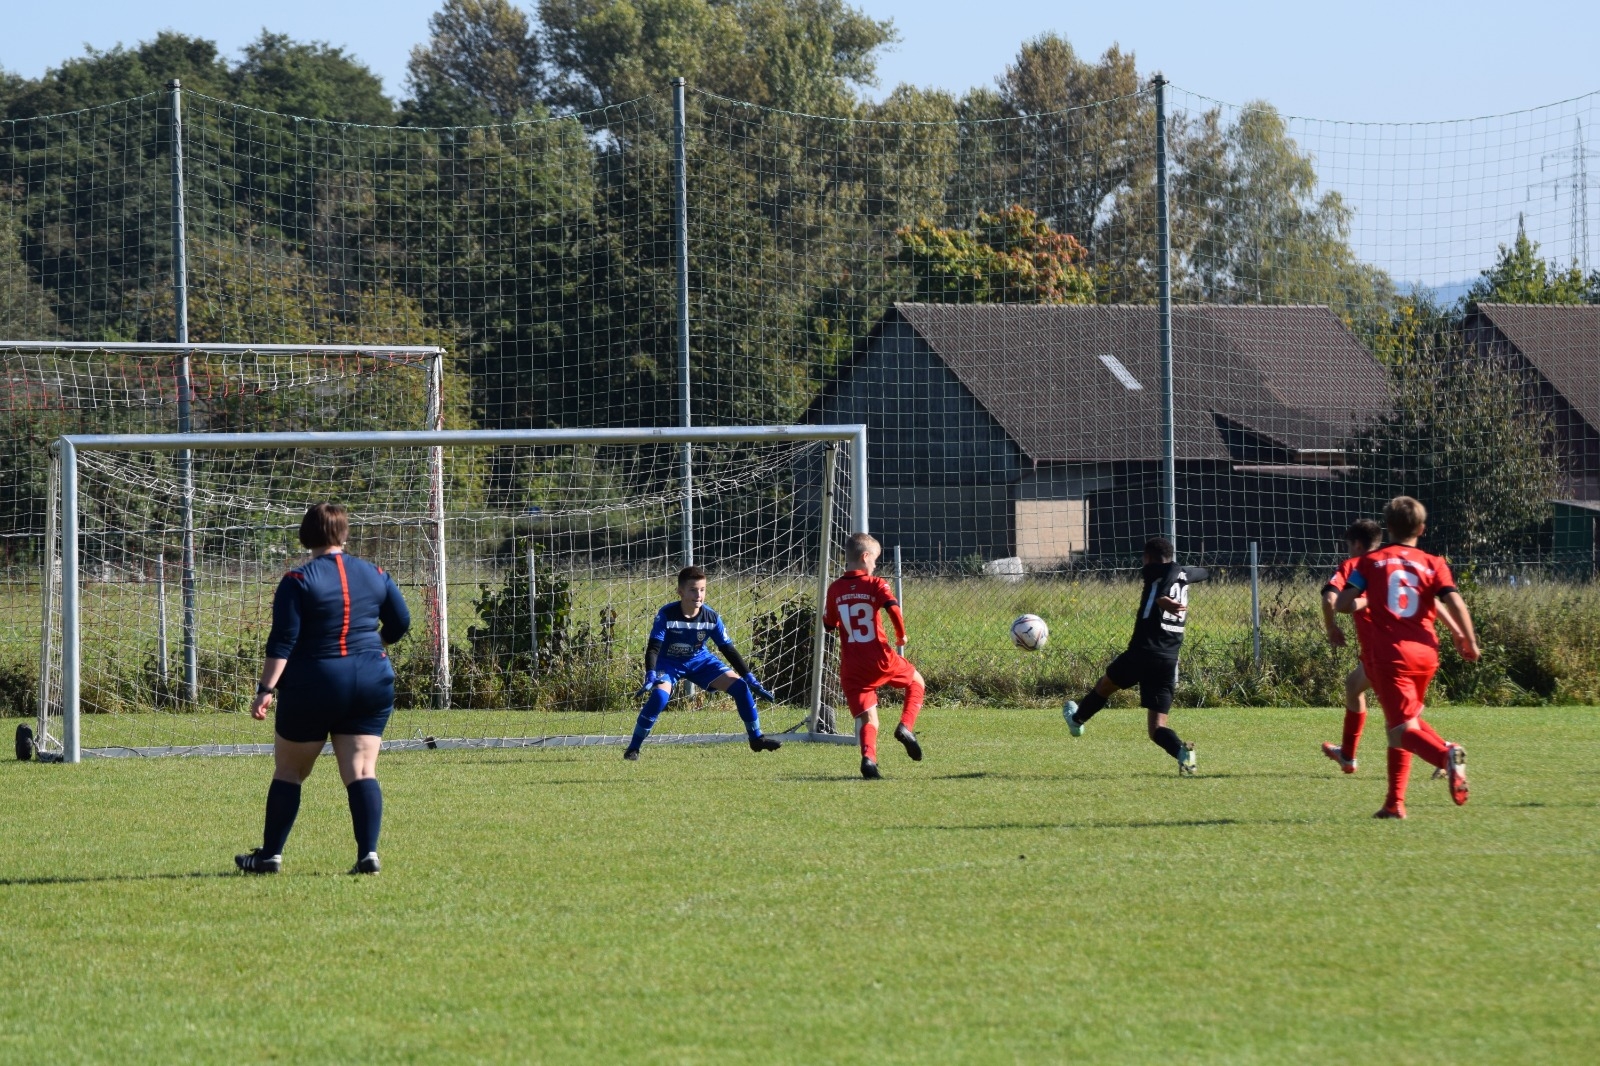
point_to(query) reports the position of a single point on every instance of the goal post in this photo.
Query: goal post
(569, 538)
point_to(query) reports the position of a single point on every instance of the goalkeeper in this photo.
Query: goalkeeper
(677, 651)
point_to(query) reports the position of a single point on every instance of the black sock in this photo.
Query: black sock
(283, 803)
(366, 813)
(1089, 706)
(1168, 741)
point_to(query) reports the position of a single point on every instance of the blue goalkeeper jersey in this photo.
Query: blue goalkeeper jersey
(682, 639)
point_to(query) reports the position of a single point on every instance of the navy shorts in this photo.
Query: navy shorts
(1155, 676)
(353, 695)
(702, 669)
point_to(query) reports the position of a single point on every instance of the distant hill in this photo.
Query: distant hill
(1444, 294)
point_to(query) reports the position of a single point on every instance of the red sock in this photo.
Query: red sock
(914, 694)
(1354, 722)
(1425, 742)
(1399, 770)
(869, 741)
(1428, 730)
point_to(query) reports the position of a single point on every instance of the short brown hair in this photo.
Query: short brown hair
(1365, 532)
(857, 545)
(326, 525)
(691, 573)
(1405, 517)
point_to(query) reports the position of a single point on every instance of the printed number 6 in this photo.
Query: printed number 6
(1403, 598)
(857, 619)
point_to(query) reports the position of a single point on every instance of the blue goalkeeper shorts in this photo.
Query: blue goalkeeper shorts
(700, 669)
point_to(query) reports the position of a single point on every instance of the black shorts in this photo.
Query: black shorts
(1155, 676)
(352, 695)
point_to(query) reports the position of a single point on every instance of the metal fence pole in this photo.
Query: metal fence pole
(180, 307)
(899, 580)
(161, 619)
(680, 196)
(1169, 460)
(1255, 602)
(533, 606)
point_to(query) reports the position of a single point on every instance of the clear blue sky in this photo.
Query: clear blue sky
(1431, 202)
(1357, 59)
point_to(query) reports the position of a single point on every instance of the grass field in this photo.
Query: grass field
(1018, 896)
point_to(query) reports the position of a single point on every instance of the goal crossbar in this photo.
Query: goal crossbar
(67, 448)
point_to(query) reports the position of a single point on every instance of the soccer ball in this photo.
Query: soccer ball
(1029, 632)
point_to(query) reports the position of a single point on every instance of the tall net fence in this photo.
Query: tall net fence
(975, 280)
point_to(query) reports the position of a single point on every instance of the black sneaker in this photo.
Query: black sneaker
(764, 744)
(258, 862)
(869, 770)
(24, 743)
(909, 739)
(632, 755)
(367, 864)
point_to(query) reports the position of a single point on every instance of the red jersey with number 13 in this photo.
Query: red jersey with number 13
(1402, 585)
(854, 602)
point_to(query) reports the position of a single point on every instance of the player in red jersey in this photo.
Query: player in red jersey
(1405, 589)
(1363, 536)
(866, 661)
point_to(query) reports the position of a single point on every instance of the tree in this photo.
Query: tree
(1010, 257)
(1521, 276)
(482, 63)
(1262, 233)
(309, 80)
(1463, 435)
(798, 55)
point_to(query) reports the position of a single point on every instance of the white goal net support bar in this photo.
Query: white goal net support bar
(568, 541)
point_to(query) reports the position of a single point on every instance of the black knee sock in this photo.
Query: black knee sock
(1168, 741)
(366, 813)
(283, 803)
(1089, 706)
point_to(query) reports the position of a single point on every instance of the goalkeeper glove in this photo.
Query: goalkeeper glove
(650, 678)
(759, 689)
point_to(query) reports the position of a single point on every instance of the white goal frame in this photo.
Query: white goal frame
(66, 450)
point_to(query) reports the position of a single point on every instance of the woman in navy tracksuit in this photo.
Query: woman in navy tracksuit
(331, 618)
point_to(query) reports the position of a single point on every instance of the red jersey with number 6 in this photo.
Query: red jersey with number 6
(1402, 585)
(854, 602)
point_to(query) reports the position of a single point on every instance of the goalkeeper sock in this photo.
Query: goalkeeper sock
(1354, 722)
(1399, 770)
(869, 738)
(1167, 740)
(745, 702)
(914, 693)
(1425, 742)
(366, 813)
(654, 704)
(1089, 706)
(283, 804)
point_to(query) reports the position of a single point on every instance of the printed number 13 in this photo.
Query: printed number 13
(857, 619)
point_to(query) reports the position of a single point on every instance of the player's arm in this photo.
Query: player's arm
(725, 644)
(1330, 617)
(1173, 604)
(394, 616)
(1351, 594)
(280, 642)
(652, 648)
(1456, 615)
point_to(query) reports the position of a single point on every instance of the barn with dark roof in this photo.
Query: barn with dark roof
(1034, 431)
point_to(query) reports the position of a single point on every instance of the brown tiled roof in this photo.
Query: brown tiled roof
(1293, 375)
(1562, 342)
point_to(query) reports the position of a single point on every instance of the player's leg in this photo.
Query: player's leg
(863, 703)
(744, 701)
(1156, 690)
(909, 678)
(1355, 720)
(1395, 689)
(1120, 674)
(655, 701)
(358, 768)
(292, 763)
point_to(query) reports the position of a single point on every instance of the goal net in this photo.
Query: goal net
(543, 555)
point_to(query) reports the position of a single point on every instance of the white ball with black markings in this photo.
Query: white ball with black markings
(1030, 633)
